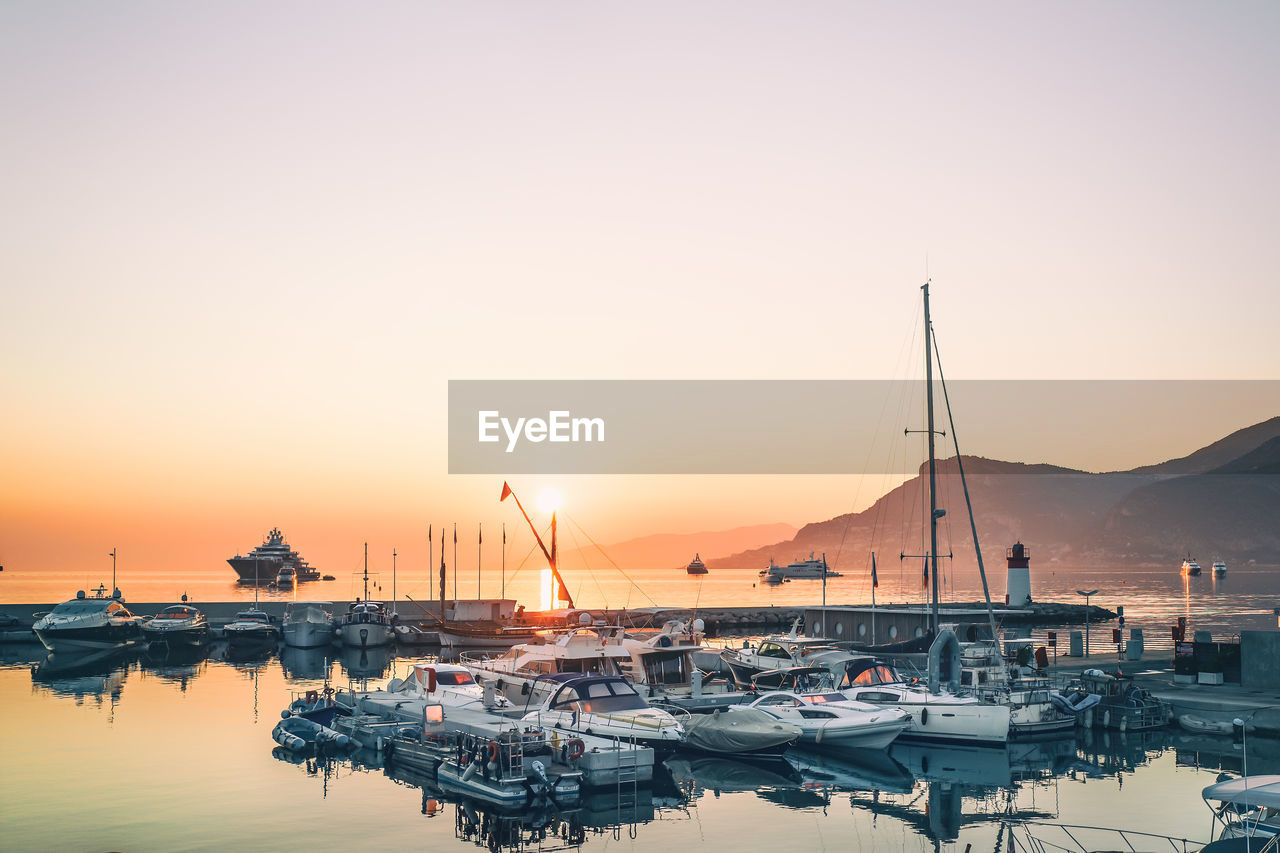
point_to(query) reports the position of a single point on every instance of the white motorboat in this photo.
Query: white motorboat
(743, 733)
(308, 624)
(1032, 710)
(787, 652)
(828, 718)
(251, 628)
(1247, 808)
(178, 625)
(88, 624)
(663, 669)
(520, 673)
(1219, 569)
(605, 706)
(1190, 567)
(286, 578)
(449, 685)
(366, 623)
(941, 717)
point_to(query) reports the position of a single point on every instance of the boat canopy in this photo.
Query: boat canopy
(179, 611)
(1252, 791)
(596, 694)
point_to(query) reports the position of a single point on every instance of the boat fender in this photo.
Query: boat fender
(312, 696)
(1106, 719)
(286, 714)
(924, 716)
(575, 748)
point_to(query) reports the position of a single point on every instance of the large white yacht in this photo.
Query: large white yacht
(263, 564)
(800, 570)
(308, 624)
(1190, 567)
(520, 672)
(941, 717)
(88, 624)
(826, 717)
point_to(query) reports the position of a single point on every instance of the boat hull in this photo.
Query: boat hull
(97, 638)
(192, 636)
(307, 635)
(363, 635)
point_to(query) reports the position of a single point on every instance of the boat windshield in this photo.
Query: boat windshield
(454, 678)
(179, 612)
(818, 698)
(878, 674)
(72, 608)
(251, 616)
(599, 697)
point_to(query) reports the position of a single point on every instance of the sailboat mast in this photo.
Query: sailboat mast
(393, 581)
(933, 461)
(366, 571)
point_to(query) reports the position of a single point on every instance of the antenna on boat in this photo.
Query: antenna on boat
(393, 581)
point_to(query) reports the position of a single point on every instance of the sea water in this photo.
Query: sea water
(153, 752)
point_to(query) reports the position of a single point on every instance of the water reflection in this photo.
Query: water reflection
(922, 792)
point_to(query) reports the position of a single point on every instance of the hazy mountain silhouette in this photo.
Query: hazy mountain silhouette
(664, 549)
(1226, 504)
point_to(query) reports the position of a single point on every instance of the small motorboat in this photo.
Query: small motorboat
(286, 578)
(741, 733)
(1204, 726)
(828, 718)
(450, 685)
(251, 628)
(1219, 569)
(297, 733)
(178, 625)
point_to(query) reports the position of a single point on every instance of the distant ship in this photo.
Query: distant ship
(264, 563)
(1191, 567)
(1219, 569)
(801, 570)
(697, 567)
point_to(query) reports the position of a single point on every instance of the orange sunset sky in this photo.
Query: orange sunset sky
(245, 246)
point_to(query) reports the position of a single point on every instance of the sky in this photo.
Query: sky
(244, 246)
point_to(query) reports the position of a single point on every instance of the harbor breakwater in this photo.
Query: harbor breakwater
(718, 620)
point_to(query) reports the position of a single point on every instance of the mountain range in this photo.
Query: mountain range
(1222, 501)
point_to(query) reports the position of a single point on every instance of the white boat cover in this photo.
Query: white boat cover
(743, 731)
(1261, 791)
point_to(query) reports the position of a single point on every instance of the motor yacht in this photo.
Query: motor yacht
(448, 684)
(828, 718)
(88, 624)
(696, 567)
(605, 706)
(251, 629)
(268, 559)
(809, 569)
(1190, 567)
(308, 624)
(941, 717)
(177, 625)
(366, 624)
(1219, 569)
(786, 652)
(520, 672)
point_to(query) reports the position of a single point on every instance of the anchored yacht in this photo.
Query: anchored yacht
(265, 562)
(88, 624)
(801, 570)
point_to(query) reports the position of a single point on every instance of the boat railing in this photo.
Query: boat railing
(1046, 837)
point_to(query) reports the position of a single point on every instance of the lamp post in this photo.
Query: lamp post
(1086, 593)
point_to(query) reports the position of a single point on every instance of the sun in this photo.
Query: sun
(549, 500)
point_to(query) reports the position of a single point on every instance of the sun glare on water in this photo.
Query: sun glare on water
(549, 500)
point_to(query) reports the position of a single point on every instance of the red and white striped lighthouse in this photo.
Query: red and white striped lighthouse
(1018, 585)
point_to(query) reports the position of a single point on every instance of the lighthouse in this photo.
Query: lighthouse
(1018, 585)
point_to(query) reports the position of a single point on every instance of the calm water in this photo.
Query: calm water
(1153, 599)
(144, 753)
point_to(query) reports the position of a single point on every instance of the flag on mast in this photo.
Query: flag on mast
(875, 581)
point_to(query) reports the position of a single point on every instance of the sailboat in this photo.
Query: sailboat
(366, 622)
(939, 713)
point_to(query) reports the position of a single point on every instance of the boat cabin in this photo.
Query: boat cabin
(179, 611)
(595, 695)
